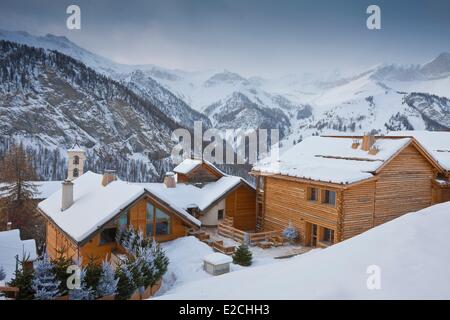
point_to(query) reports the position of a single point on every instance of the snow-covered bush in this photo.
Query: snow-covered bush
(83, 292)
(45, 284)
(125, 285)
(243, 256)
(107, 284)
(290, 233)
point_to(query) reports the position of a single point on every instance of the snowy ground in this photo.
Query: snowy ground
(406, 258)
(186, 260)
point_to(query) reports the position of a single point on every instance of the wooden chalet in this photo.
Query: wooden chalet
(333, 188)
(83, 216)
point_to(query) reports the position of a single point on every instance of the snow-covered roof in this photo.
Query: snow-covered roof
(437, 144)
(95, 204)
(330, 159)
(188, 196)
(187, 166)
(44, 188)
(409, 267)
(217, 258)
(11, 246)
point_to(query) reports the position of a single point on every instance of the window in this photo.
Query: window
(220, 214)
(150, 217)
(162, 223)
(329, 197)
(76, 160)
(75, 172)
(123, 221)
(312, 194)
(328, 235)
(108, 236)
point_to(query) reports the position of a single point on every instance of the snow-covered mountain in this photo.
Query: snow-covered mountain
(50, 101)
(383, 98)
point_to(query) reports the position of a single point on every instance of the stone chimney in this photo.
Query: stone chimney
(367, 142)
(9, 225)
(108, 177)
(67, 195)
(169, 180)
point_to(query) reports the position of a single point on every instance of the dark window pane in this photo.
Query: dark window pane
(162, 223)
(108, 235)
(150, 219)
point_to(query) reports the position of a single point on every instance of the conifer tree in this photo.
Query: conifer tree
(83, 292)
(44, 284)
(125, 285)
(107, 284)
(17, 204)
(243, 256)
(23, 278)
(60, 266)
(93, 272)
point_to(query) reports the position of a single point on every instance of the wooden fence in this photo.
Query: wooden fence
(239, 235)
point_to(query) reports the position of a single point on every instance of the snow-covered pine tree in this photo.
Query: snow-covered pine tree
(84, 292)
(108, 282)
(45, 284)
(161, 261)
(243, 256)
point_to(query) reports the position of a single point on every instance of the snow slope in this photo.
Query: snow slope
(411, 252)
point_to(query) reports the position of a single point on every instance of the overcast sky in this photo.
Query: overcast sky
(252, 37)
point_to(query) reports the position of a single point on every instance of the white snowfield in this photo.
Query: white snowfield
(331, 159)
(11, 246)
(409, 254)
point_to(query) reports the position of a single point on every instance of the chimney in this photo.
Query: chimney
(367, 142)
(67, 195)
(108, 177)
(8, 225)
(169, 180)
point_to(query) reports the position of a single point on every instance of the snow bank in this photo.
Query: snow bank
(11, 246)
(185, 262)
(411, 253)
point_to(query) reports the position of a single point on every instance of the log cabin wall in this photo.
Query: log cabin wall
(287, 201)
(358, 209)
(241, 206)
(57, 241)
(404, 185)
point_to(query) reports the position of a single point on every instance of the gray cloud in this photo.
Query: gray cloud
(262, 37)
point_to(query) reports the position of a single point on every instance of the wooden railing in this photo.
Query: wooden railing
(239, 235)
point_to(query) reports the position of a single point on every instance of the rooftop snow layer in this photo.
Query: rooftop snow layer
(188, 196)
(437, 143)
(11, 246)
(94, 205)
(217, 258)
(187, 166)
(331, 159)
(410, 267)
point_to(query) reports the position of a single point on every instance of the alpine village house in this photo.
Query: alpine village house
(330, 188)
(83, 216)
